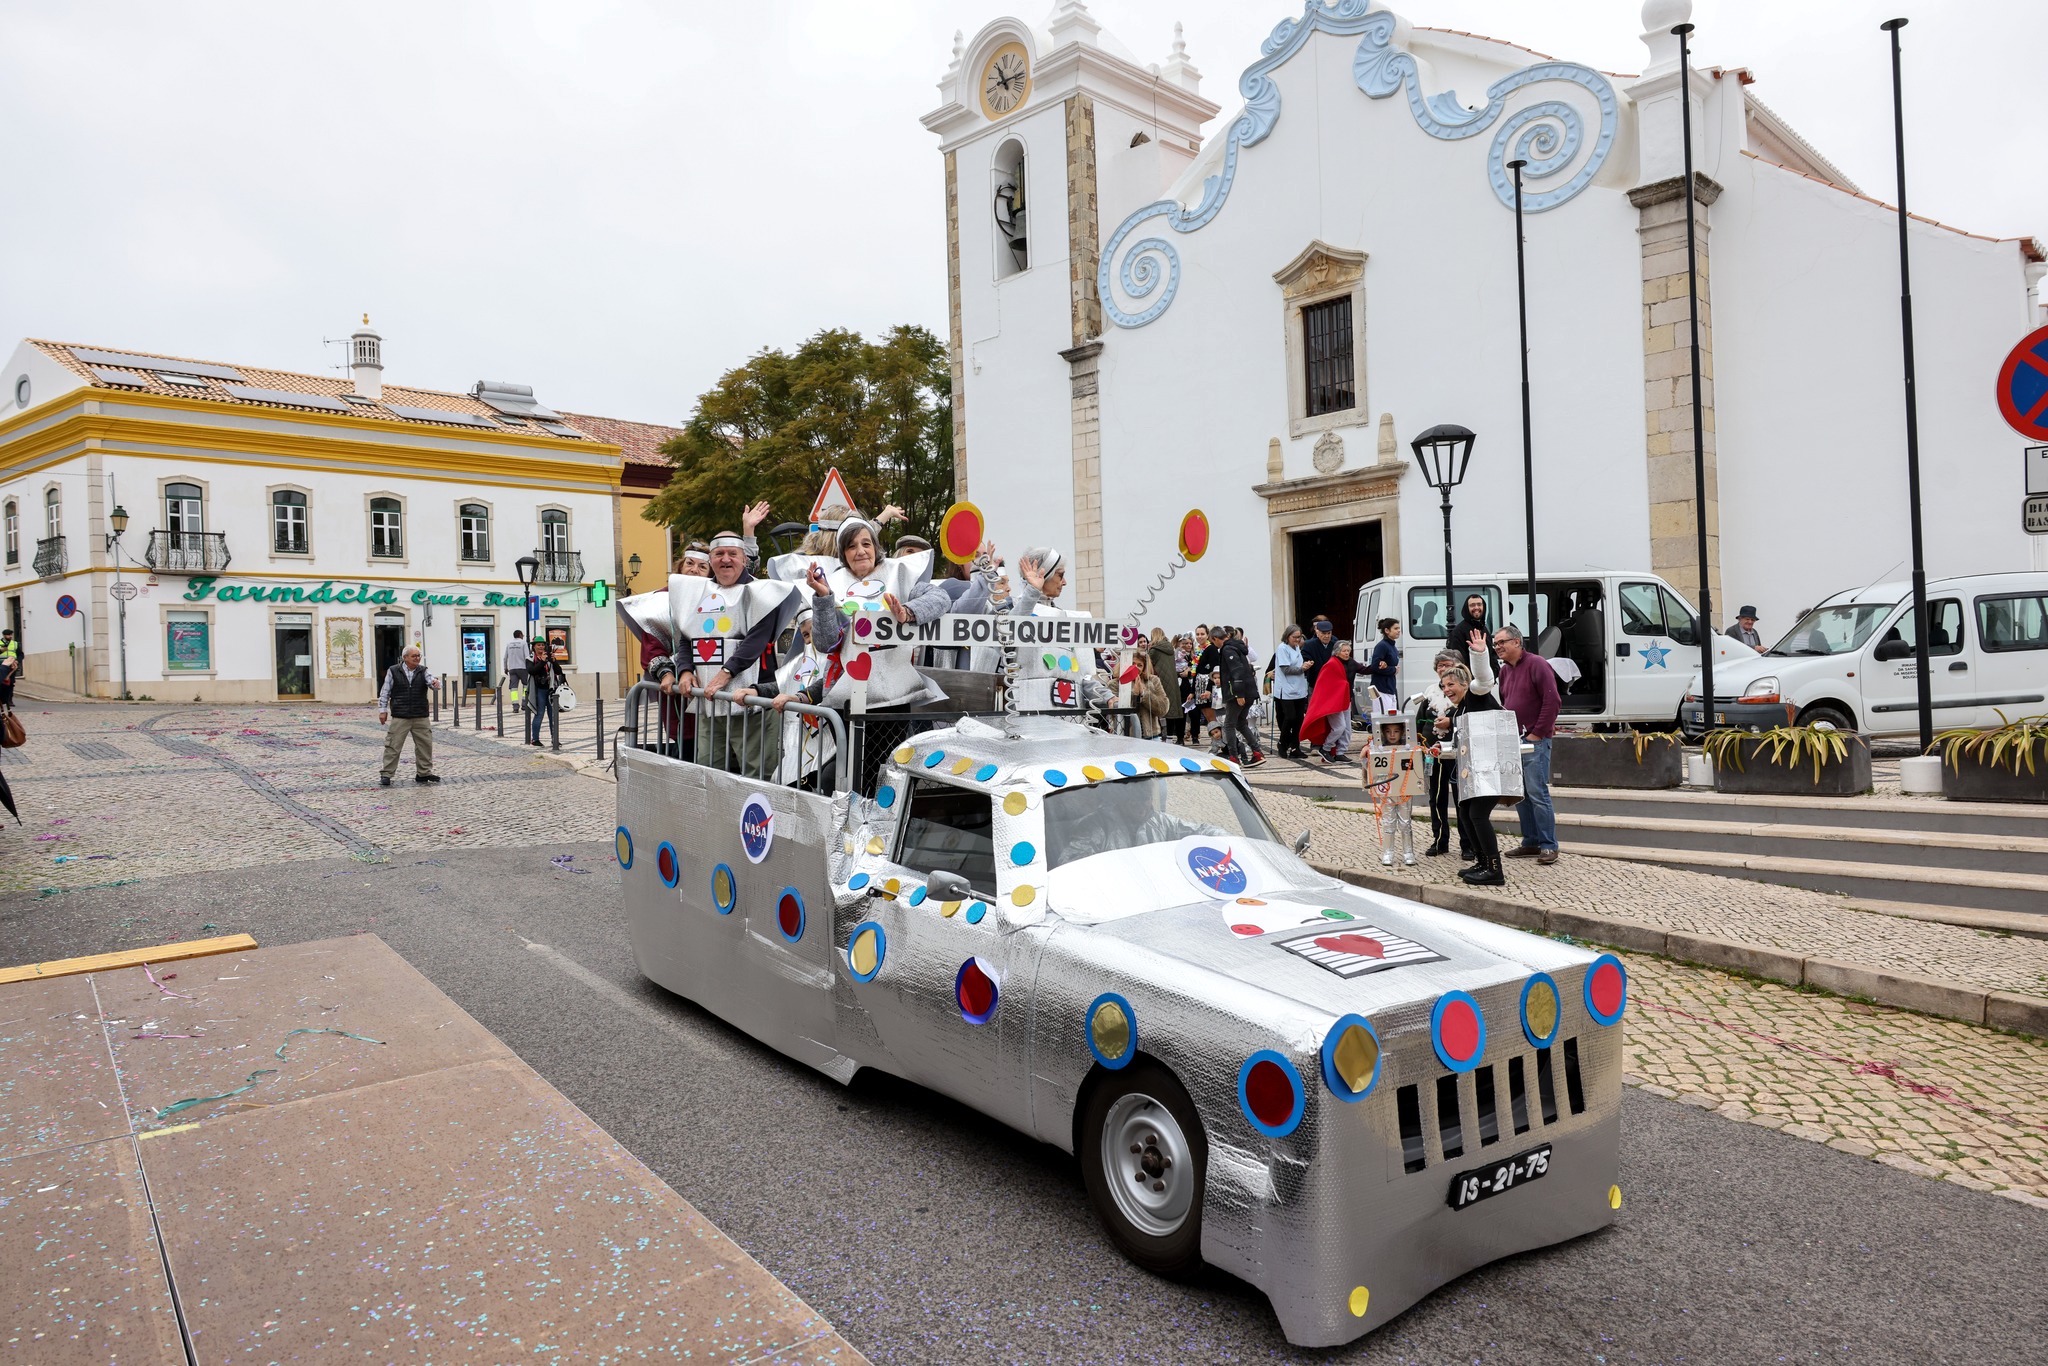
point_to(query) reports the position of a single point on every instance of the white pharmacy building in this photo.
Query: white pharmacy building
(205, 531)
(1159, 302)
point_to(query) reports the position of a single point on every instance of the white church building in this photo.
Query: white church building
(1257, 323)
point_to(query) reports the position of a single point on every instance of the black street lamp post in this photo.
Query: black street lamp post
(1923, 686)
(1442, 453)
(1528, 438)
(1699, 418)
(118, 520)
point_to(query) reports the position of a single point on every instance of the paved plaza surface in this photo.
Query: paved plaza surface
(927, 1233)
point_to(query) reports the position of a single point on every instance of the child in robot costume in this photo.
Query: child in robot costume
(1394, 776)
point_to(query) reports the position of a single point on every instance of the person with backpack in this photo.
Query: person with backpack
(402, 707)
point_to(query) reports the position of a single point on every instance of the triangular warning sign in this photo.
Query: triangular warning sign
(834, 491)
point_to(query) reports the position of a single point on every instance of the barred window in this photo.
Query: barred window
(288, 522)
(1326, 328)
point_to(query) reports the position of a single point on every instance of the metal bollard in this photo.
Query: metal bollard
(554, 721)
(434, 696)
(600, 727)
(479, 725)
(501, 711)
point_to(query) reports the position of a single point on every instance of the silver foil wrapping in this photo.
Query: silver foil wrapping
(1489, 755)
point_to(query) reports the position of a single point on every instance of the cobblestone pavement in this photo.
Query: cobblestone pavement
(113, 793)
(1788, 918)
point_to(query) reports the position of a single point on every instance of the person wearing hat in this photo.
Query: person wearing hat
(1744, 629)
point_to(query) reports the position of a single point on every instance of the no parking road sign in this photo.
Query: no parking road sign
(2023, 386)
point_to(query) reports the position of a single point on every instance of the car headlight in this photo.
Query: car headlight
(1763, 689)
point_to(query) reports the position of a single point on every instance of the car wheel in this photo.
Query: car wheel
(1834, 716)
(1145, 1162)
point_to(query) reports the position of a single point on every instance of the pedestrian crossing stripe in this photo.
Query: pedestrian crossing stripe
(1357, 949)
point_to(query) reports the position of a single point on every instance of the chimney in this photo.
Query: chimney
(366, 360)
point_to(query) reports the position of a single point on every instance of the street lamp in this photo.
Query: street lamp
(1922, 684)
(1442, 453)
(1705, 633)
(1528, 439)
(529, 569)
(118, 519)
(632, 569)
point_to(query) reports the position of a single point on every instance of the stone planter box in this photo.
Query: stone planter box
(1610, 761)
(1972, 780)
(1758, 776)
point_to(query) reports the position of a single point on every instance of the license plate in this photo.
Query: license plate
(1469, 1188)
(1720, 718)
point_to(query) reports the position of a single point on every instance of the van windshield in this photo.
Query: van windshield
(1837, 630)
(1081, 822)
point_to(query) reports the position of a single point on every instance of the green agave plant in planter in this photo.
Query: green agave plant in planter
(1818, 761)
(1640, 759)
(2003, 763)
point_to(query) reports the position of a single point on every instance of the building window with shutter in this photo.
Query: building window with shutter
(1326, 345)
(13, 532)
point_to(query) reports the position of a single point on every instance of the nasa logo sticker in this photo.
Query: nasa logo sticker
(1219, 872)
(757, 828)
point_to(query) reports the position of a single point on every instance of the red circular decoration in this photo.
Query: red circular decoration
(1194, 535)
(1246, 929)
(975, 990)
(961, 532)
(1269, 1093)
(1606, 988)
(2022, 393)
(1365, 946)
(861, 666)
(1460, 1032)
(665, 863)
(789, 914)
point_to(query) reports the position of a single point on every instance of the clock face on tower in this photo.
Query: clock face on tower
(1005, 81)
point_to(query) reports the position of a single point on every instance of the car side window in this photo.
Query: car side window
(1944, 636)
(1642, 613)
(2018, 622)
(949, 830)
(1678, 622)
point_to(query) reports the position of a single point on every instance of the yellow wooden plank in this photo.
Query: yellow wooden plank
(128, 958)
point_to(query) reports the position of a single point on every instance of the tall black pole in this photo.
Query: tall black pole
(1449, 612)
(1923, 685)
(1699, 417)
(1528, 441)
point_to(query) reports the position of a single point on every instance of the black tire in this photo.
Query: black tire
(1146, 1102)
(1828, 712)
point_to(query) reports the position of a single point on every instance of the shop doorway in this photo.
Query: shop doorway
(1330, 565)
(293, 635)
(478, 655)
(14, 621)
(390, 644)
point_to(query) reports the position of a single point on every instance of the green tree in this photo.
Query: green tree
(881, 412)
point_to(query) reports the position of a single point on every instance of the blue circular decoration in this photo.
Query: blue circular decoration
(622, 845)
(1450, 1001)
(966, 988)
(886, 798)
(1596, 982)
(857, 881)
(1557, 1020)
(1127, 768)
(1244, 1100)
(1123, 1059)
(789, 907)
(935, 758)
(984, 773)
(724, 904)
(976, 912)
(1334, 1079)
(917, 897)
(1022, 853)
(881, 949)
(1055, 777)
(1191, 766)
(668, 864)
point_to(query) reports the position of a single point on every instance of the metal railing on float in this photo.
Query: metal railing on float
(740, 735)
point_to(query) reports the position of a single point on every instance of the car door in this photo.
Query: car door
(2011, 662)
(1648, 669)
(1890, 674)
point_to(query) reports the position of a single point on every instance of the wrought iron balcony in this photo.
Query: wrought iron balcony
(559, 566)
(187, 552)
(50, 562)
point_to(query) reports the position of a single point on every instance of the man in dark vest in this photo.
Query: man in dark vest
(402, 710)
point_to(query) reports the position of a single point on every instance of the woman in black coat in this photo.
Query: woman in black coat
(1469, 692)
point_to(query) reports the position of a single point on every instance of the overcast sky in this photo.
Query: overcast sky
(615, 201)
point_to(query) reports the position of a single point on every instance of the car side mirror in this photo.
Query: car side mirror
(1893, 648)
(948, 887)
(1301, 841)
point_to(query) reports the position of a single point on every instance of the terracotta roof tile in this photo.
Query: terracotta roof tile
(639, 442)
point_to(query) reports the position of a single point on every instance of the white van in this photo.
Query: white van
(1629, 638)
(1850, 662)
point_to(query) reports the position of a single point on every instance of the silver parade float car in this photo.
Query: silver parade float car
(1345, 1098)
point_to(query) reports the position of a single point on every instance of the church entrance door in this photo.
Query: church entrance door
(1331, 564)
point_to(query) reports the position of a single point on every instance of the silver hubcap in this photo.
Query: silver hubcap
(1146, 1161)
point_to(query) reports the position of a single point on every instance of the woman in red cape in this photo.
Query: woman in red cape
(1330, 698)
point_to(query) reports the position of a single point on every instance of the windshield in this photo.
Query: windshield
(1836, 630)
(1081, 822)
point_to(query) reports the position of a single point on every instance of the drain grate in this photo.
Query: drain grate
(93, 749)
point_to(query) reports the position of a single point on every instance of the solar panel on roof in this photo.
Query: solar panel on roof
(559, 430)
(250, 394)
(135, 362)
(182, 380)
(437, 415)
(118, 376)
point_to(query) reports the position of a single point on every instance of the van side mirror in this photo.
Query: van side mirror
(1891, 647)
(944, 886)
(1301, 842)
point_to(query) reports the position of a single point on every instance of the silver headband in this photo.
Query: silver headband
(732, 541)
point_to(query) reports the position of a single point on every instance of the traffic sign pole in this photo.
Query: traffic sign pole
(1923, 685)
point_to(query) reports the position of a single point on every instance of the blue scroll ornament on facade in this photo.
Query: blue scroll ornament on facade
(1549, 135)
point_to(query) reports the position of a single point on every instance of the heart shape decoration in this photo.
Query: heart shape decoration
(860, 667)
(1359, 944)
(707, 650)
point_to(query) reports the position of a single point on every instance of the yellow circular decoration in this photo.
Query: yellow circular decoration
(1542, 1007)
(1005, 80)
(951, 909)
(1160, 765)
(1110, 1028)
(1219, 765)
(1356, 1055)
(961, 765)
(1360, 1298)
(875, 845)
(903, 754)
(1614, 1197)
(862, 954)
(847, 843)
(1023, 895)
(1016, 804)
(724, 625)
(893, 886)
(1092, 773)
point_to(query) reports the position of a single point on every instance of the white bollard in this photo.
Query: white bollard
(1920, 776)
